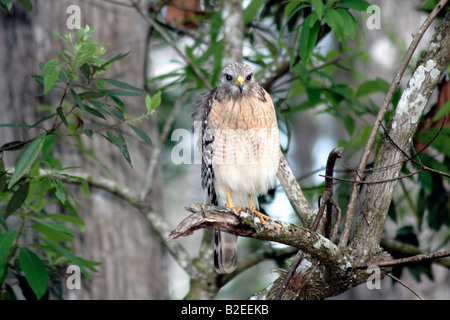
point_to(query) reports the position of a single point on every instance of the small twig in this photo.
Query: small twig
(414, 259)
(376, 181)
(154, 159)
(327, 197)
(383, 109)
(405, 285)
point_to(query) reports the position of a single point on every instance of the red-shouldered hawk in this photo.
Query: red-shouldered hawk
(240, 146)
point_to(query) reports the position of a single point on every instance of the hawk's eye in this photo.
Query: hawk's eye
(249, 77)
(228, 77)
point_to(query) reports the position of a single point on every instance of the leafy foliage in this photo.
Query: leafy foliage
(38, 179)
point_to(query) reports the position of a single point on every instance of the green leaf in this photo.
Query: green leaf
(53, 225)
(152, 103)
(86, 70)
(17, 199)
(308, 38)
(67, 218)
(84, 183)
(27, 4)
(87, 52)
(156, 100)
(51, 74)
(336, 23)
(66, 253)
(116, 113)
(313, 94)
(120, 143)
(148, 103)
(34, 270)
(318, 7)
(119, 103)
(52, 233)
(7, 4)
(251, 11)
(2, 175)
(6, 242)
(142, 135)
(121, 84)
(349, 23)
(367, 87)
(358, 5)
(349, 124)
(93, 111)
(60, 192)
(27, 158)
(119, 92)
(120, 56)
(443, 111)
(62, 116)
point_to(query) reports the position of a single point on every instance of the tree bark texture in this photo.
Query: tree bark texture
(132, 255)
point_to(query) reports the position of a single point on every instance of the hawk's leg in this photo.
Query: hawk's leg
(251, 209)
(230, 204)
(255, 212)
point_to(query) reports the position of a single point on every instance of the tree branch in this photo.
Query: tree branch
(245, 225)
(410, 260)
(294, 193)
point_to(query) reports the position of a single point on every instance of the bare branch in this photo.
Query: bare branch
(294, 193)
(410, 260)
(245, 225)
(154, 159)
(405, 285)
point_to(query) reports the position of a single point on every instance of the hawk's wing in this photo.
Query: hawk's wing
(205, 143)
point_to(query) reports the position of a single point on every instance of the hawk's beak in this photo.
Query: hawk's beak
(240, 83)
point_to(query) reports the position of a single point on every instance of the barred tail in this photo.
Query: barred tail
(225, 251)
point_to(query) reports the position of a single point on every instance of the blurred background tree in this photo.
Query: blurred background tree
(327, 71)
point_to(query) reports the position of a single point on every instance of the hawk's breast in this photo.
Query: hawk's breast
(246, 146)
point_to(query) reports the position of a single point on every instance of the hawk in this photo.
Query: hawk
(240, 146)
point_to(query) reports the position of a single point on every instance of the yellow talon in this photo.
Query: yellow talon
(255, 212)
(251, 209)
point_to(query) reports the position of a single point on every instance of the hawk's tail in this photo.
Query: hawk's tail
(225, 251)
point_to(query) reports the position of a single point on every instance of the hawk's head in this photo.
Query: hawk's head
(237, 79)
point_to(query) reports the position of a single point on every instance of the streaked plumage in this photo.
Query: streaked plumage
(240, 148)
